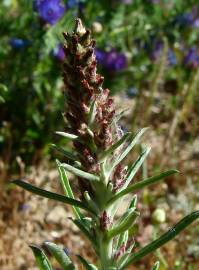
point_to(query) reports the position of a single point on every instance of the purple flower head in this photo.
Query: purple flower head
(192, 58)
(100, 56)
(112, 60)
(196, 23)
(18, 43)
(50, 11)
(58, 52)
(182, 20)
(115, 61)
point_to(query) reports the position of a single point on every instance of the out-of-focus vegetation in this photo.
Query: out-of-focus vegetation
(141, 45)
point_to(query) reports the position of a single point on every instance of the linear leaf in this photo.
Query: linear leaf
(136, 165)
(67, 135)
(65, 152)
(80, 173)
(170, 234)
(149, 181)
(60, 256)
(156, 266)
(67, 189)
(113, 147)
(87, 266)
(41, 258)
(124, 224)
(130, 146)
(123, 238)
(50, 195)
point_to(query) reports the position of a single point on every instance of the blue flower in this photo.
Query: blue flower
(182, 20)
(18, 43)
(115, 61)
(112, 60)
(171, 57)
(100, 56)
(132, 92)
(196, 23)
(58, 52)
(50, 11)
(191, 59)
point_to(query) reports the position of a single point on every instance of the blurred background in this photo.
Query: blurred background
(148, 51)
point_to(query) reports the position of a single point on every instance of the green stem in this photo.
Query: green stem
(105, 250)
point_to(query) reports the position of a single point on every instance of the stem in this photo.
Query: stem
(105, 249)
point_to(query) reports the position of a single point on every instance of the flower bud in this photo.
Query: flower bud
(159, 216)
(97, 27)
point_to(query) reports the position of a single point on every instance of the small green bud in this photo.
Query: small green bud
(159, 215)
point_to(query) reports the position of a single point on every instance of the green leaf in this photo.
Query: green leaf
(2, 100)
(87, 266)
(170, 234)
(67, 189)
(124, 223)
(156, 266)
(125, 256)
(41, 258)
(80, 173)
(136, 165)
(91, 202)
(134, 141)
(113, 147)
(60, 256)
(141, 184)
(67, 135)
(133, 201)
(65, 152)
(123, 238)
(3, 88)
(50, 195)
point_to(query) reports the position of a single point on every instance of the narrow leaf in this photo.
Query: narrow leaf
(142, 184)
(170, 234)
(126, 255)
(65, 152)
(60, 256)
(136, 165)
(156, 266)
(113, 147)
(134, 141)
(67, 189)
(87, 266)
(67, 135)
(133, 201)
(124, 224)
(123, 238)
(41, 259)
(50, 195)
(80, 173)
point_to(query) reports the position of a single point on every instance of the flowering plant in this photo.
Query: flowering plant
(100, 146)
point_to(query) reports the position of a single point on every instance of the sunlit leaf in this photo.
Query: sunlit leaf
(41, 259)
